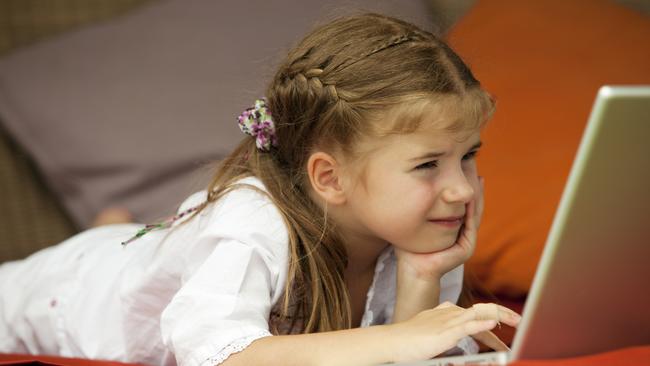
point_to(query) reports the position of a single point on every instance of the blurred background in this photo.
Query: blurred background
(128, 103)
(120, 103)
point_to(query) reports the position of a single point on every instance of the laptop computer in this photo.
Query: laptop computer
(591, 291)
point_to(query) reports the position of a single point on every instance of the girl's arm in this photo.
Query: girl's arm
(422, 337)
(414, 293)
(360, 346)
(419, 274)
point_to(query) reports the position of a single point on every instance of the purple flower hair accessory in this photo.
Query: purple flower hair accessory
(256, 121)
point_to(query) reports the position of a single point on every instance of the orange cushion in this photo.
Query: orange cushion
(544, 61)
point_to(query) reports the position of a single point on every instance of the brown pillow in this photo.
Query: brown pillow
(544, 62)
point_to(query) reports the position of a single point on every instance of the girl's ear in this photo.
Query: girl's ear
(325, 176)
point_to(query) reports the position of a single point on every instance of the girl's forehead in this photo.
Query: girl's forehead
(458, 114)
(431, 140)
(443, 120)
(429, 119)
(397, 147)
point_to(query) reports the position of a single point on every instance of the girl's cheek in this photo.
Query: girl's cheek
(429, 191)
(471, 174)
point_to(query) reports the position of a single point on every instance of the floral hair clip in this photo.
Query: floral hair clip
(257, 122)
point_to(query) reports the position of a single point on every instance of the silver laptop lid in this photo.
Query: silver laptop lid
(590, 293)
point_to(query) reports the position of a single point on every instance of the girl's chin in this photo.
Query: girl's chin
(442, 248)
(430, 247)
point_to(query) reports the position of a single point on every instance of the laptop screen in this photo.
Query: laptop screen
(590, 293)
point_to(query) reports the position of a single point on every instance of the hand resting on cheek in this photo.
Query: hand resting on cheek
(432, 266)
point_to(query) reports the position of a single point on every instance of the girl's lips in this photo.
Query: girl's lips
(450, 222)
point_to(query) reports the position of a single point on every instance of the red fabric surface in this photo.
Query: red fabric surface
(634, 356)
(52, 360)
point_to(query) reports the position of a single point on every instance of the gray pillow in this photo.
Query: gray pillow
(126, 112)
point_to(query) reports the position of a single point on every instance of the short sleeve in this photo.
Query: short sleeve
(234, 276)
(226, 301)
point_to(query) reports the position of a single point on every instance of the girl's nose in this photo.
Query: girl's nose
(459, 189)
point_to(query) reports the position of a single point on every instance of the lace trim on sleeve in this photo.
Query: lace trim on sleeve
(234, 347)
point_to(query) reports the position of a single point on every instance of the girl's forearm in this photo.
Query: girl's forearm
(354, 347)
(414, 295)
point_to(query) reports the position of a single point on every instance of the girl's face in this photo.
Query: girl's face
(414, 189)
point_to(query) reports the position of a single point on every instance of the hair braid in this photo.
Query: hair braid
(315, 88)
(393, 41)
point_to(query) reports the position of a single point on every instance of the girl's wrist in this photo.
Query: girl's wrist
(397, 333)
(418, 290)
(415, 294)
(408, 272)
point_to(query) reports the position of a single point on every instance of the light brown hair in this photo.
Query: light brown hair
(327, 94)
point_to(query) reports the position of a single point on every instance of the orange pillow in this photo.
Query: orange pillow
(544, 62)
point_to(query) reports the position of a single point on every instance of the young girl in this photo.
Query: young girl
(339, 226)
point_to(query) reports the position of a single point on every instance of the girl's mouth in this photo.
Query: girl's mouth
(449, 222)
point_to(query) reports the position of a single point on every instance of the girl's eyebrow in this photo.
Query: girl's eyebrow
(434, 154)
(427, 156)
(476, 146)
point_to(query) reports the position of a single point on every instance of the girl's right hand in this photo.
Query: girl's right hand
(434, 331)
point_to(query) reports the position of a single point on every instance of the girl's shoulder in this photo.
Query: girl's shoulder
(246, 213)
(249, 190)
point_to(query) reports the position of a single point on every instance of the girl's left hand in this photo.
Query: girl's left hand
(432, 266)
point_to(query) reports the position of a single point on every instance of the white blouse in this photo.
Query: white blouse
(192, 295)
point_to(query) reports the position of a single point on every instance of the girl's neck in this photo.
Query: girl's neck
(362, 254)
(362, 249)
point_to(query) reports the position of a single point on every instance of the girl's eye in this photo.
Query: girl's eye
(470, 155)
(428, 165)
